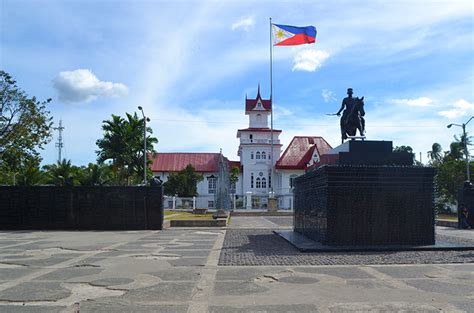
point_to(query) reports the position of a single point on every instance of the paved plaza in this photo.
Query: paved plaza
(244, 268)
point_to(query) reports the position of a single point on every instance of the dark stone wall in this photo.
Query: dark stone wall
(360, 205)
(466, 197)
(81, 208)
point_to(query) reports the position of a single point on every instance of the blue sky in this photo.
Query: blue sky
(189, 64)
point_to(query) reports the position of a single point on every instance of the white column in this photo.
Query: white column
(235, 204)
(174, 202)
(194, 203)
(248, 200)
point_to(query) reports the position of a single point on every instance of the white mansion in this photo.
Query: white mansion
(257, 161)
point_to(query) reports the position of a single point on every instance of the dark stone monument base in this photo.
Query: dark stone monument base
(304, 244)
(345, 205)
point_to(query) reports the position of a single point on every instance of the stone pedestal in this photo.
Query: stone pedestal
(248, 200)
(384, 202)
(272, 205)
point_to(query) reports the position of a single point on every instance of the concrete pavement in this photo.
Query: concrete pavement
(193, 270)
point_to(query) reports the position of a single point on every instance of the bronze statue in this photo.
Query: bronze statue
(352, 117)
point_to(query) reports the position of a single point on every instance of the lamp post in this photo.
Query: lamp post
(145, 119)
(466, 152)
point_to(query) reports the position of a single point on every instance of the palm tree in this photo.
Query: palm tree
(123, 145)
(455, 150)
(95, 175)
(61, 173)
(464, 140)
(435, 155)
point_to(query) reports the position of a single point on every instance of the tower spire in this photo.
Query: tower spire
(59, 144)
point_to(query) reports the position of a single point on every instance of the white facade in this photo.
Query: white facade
(256, 156)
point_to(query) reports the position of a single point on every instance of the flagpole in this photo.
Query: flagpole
(271, 112)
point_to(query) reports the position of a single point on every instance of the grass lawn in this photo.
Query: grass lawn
(176, 215)
(449, 217)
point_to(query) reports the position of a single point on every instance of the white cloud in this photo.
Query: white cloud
(309, 60)
(328, 95)
(459, 108)
(245, 23)
(418, 102)
(82, 85)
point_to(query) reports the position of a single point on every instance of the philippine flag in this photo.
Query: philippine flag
(286, 35)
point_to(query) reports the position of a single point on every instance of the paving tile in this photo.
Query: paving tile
(35, 291)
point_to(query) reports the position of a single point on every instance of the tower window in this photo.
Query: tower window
(251, 180)
(258, 182)
(257, 156)
(251, 137)
(264, 156)
(259, 117)
(251, 155)
(264, 183)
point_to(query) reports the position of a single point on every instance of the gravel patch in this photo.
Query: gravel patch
(253, 247)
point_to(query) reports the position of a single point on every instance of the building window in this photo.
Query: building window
(292, 180)
(210, 204)
(264, 183)
(251, 180)
(258, 183)
(270, 180)
(170, 204)
(251, 155)
(257, 155)
(264, 155)
(251, 137)
(259, 117)
(269, 156)
(211, 184)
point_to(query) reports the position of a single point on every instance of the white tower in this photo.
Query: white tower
(255, 153)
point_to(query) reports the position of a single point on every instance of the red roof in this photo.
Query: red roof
(176, 161)
(251, 103)
(234, 164)
(300, 151)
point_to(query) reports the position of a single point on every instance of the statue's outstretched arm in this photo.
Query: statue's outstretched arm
(340, 110)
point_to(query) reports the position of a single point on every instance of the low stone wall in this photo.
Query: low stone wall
(81, 208)
(364, 205)
(199, 223)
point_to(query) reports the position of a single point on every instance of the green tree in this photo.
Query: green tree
(403, 149)
(450, 177)
(95, 175)
(183, 183)
(234, 175)
(435, 155)
(62, 173)
(122, 144)
(25, 127)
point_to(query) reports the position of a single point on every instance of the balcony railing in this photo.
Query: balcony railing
(257, 141)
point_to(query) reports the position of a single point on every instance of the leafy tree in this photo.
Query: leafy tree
(403, 149)
(435, 155)
(62, 173)
(234, 175)
(450, 178)
(28, 173)
(455, 151)
(123, 145)
(183, 183)
(25, 127)
(95, 175)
